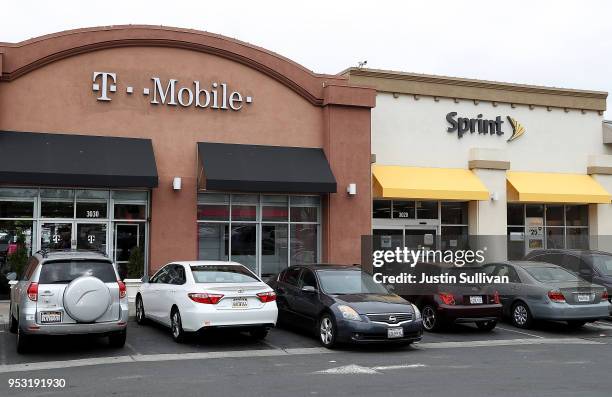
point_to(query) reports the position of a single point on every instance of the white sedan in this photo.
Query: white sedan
(198, 295)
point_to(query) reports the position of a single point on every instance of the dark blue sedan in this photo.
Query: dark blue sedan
(344, 304)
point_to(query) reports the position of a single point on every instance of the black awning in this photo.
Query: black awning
(76, 160)
(255, 168)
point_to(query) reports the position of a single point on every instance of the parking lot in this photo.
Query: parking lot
(155, 340)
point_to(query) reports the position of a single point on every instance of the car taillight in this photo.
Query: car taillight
(210, 299)
(122, 289)
(556, 296)
(495, 297)
(447, 299)
(33, 292)
(605, 296)
(267, 296)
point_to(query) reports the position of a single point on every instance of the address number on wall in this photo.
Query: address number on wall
(92, 214)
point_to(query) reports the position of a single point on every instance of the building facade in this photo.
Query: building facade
(157, 144)
(526, 167)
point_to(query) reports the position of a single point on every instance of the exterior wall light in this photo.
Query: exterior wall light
(176, 183)
(352, 189)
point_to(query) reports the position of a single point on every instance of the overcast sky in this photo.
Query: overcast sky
(559, 43)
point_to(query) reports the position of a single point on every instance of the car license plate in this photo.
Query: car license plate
(584, 298)
(476, 300)
(395, 332)
(50, 317)
(240, 303)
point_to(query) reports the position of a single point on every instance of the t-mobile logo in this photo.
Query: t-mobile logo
(107, 83)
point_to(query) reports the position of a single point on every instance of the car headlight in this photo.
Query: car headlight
(349, 313)
(417, 312)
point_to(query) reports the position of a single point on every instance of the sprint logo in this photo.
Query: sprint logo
(517, 129)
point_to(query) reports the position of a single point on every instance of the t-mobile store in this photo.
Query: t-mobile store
(523, 167)
(157, 144)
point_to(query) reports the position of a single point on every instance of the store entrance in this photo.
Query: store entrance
(77, 235)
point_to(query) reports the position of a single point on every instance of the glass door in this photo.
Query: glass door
(387, 239)
(91, 236)
(127, 237)
(56, 235)
(420, 238)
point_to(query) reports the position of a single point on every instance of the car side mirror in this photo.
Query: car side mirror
(12, 276)
(145, 279)
(309, 289)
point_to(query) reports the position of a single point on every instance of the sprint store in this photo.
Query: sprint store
(527, 167)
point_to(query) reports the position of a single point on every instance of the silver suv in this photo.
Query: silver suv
(69, 292)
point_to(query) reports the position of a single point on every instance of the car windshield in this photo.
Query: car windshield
(547, 274)
(603, 263)
(222, 274)
(64, 271)
(338, 282)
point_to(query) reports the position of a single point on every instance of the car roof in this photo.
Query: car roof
(206, 263)
(72, 254)
(526, 264)
(329, 266)
(568, 251)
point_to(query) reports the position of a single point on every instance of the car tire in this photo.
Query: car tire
(23, 341)
(575, 324)
(327, 331)
(117, 339)
(13, 323)
(176, 326)
(431, 320)
(141, 318)
(259, 333)
(521, 315)
(486, 325)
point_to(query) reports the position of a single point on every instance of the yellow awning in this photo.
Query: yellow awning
(391, 181)
(548, 187)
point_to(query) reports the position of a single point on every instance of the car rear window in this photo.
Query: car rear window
(222, 274)
(603, 263)
(64, 271)
(550, 274)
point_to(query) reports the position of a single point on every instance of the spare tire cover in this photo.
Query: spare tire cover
(86, 299)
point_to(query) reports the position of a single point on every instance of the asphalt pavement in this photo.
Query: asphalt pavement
(463, 361)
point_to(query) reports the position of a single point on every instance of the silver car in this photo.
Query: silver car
(538, 290)
(69, 292)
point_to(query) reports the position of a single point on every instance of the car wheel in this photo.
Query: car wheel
(575, 324)
(117, 339)
(486, 325)
(431, 320)
(23, 341)
(327, 331)
(141, 319)
(521, 316)
(259, 333)
(176, 325)
(13, 324)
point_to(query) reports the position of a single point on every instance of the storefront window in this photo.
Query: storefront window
(547, 226)
(114, 222)
(16, 238)
(381, 209)
(303, 244)
(16, 209)
(267, 233)
(427, 210)
(403, 209)
(454, 212)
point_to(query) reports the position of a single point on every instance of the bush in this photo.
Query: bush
(18, 259)
(136, 263)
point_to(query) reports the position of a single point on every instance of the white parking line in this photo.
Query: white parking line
(520, 332)
(48, 365)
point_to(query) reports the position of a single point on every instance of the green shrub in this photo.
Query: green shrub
(136, 263)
